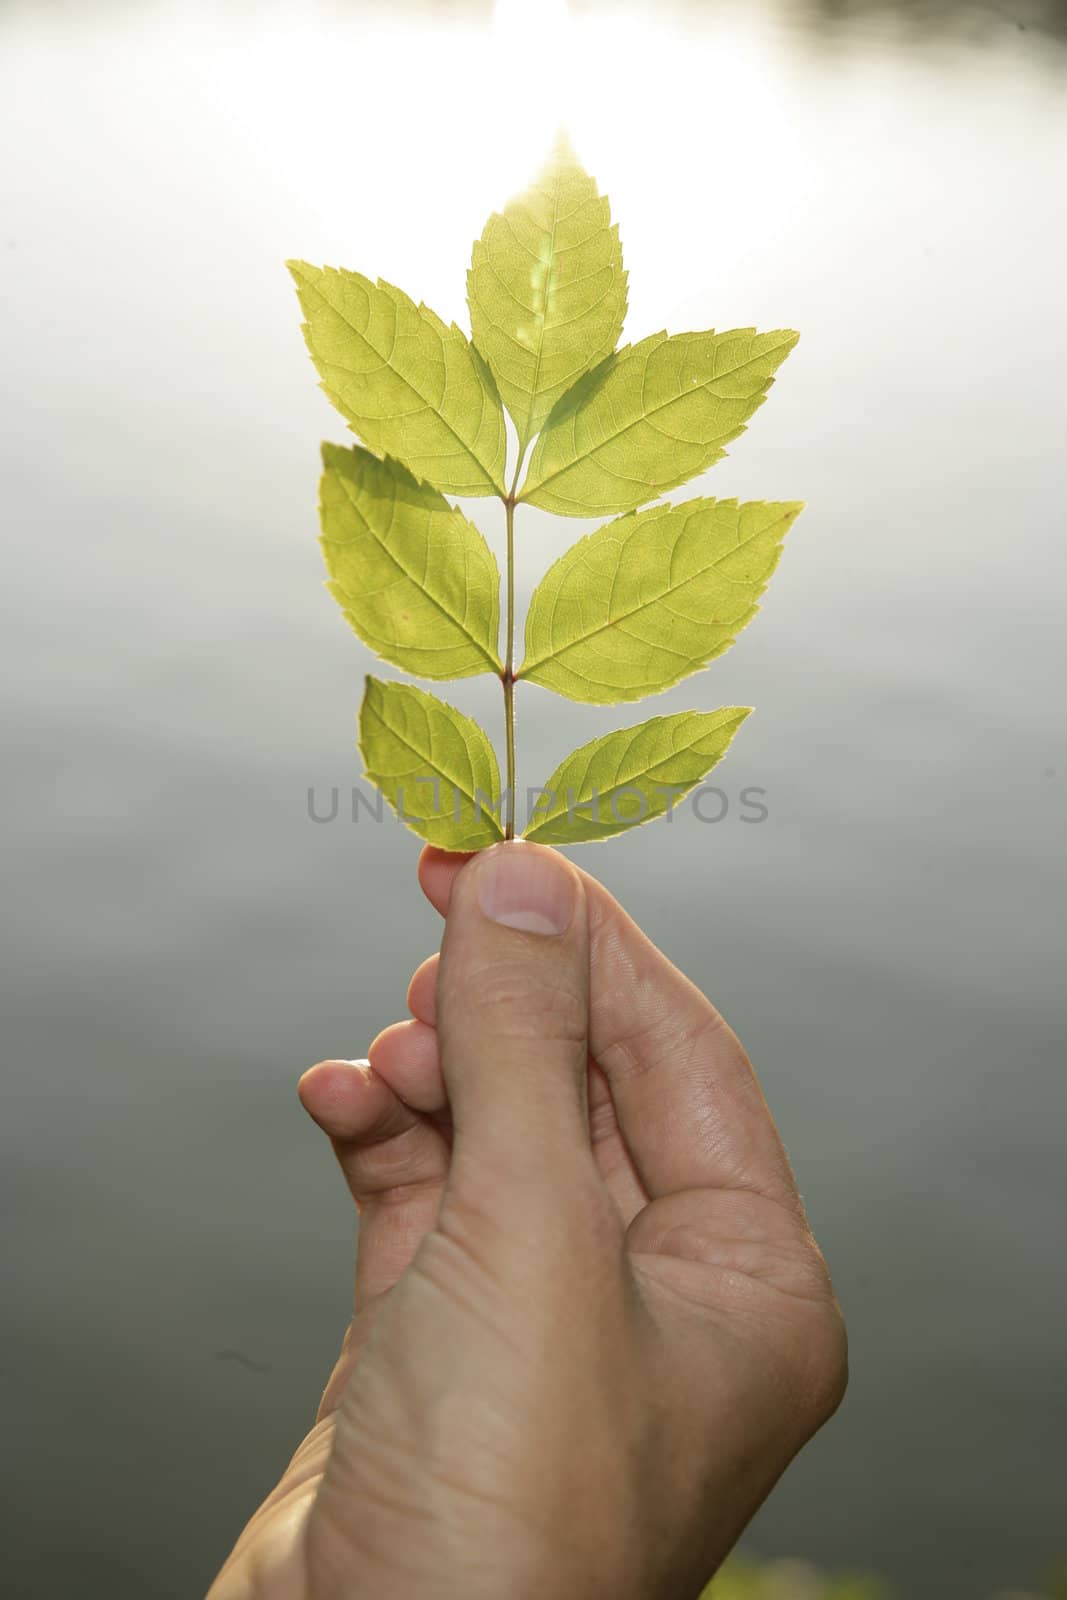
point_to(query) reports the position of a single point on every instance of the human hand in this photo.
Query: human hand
(591, 1326)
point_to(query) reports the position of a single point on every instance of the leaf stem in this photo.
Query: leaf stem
(508, 675)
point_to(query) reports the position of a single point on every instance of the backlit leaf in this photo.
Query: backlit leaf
(547, 290)
(636, 606)
(652, 597)
(435, 766)
(650, 418)
(409, 386)
(415, 579)
(630, 776)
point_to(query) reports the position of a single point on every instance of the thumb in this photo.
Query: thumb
(513, 1019)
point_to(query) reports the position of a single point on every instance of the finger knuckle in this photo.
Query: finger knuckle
(818, 1349)
(516, 1000)
(824, 1366)
(644, 1017)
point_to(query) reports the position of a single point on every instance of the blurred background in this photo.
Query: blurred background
(181, 938)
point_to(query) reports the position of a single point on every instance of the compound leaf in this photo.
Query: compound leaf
(652, 597)
(416, 580)
(435, 766)
(547, 289)
(650, 418)
(630, 776)
(409, 386)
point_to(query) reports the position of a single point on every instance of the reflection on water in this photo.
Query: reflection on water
(981, 20)
(182, 938)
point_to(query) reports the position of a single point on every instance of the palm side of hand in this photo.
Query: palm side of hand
(674, 1306)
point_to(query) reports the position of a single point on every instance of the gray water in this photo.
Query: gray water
(181, 939)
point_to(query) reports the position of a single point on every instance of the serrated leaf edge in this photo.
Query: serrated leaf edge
(530, 833)
(696, 663)
(602, 372)
(494, 664)
(442, 328)
(460, 716)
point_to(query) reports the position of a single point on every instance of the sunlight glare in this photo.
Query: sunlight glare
(399, 137)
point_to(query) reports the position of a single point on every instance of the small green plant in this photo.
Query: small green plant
(634, 607)
(742, 1579)
(745, 1579)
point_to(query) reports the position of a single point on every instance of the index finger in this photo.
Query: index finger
(687, 1099)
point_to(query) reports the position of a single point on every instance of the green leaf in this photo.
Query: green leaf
(650, 418)
(408, 385)
(547, 290)
(435, 766)
(652, 597)
(416, 580)
(630, 776)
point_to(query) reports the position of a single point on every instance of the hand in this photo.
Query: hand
(591, 1325)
